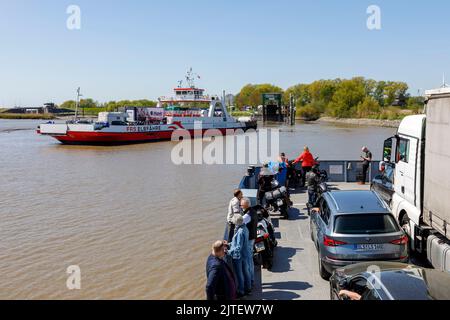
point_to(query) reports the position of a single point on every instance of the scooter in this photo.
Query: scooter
(265, 243)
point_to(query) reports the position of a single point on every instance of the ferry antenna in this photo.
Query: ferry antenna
(444, 84)
(77, 103)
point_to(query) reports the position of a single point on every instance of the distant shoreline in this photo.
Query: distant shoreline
(25, 116)
(361, 122)
(349, 121)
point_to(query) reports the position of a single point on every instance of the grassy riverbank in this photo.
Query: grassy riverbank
(26, 116)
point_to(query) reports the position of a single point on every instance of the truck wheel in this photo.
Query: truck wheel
(406, 226)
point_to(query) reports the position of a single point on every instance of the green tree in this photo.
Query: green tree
(88, 103)
(349, 94)
(69, 104)
(300, 92)
(311, 111)
(368, 108)
(323, 90)
(251, 95)
(392, 90)
(378, 93)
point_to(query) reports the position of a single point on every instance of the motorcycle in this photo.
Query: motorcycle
(265, 243)
(278, 199)
(321, 186)
(323, 178)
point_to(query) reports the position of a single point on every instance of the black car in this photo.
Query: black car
(390, 281)
(383, 184)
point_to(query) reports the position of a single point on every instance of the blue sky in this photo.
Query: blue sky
(140, 49)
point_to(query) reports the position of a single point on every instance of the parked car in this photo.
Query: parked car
(383, 184)
(349, 227)
(391, 281)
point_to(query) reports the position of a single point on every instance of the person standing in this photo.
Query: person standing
(239, 253)
(234, 207)
(312, 182)
(220, 284)
(251, 221)
(307, 160)
(366, 160)
(279, 169)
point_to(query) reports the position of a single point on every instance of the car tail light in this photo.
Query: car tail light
(402, 240)
(329, 242)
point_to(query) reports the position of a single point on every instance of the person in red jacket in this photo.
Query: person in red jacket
(307, 160)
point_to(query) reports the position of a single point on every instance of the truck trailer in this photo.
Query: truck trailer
(420, 156)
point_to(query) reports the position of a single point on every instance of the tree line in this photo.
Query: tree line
(341, 98)
(92, 105)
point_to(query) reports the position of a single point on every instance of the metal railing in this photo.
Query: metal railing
(348, 171)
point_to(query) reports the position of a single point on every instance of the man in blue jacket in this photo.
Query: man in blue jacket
(220, 284)
(239, 252)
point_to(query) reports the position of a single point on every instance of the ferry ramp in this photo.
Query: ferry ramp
(295, 273)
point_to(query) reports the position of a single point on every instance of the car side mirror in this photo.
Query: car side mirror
(387, 149)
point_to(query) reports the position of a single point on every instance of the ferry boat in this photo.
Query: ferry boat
(184, 111)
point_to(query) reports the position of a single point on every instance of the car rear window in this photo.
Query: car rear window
(365, 224)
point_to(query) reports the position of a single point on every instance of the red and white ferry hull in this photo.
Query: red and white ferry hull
(82, 134)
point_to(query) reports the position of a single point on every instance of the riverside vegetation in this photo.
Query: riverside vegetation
(341, 98)
(356, 98)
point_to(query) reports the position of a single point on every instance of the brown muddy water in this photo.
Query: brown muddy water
(138, 226)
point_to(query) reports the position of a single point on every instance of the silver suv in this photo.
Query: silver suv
(355, 226)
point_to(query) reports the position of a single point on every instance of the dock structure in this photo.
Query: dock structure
(295, 273)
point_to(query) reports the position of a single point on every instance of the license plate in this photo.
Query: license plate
(369, 247)
(260, 246)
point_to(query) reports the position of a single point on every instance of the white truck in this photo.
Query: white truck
(420, 154)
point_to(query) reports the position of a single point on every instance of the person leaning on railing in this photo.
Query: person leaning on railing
(307, 160)
(220, 284)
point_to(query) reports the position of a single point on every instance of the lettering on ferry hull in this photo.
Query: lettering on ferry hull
(143, 128)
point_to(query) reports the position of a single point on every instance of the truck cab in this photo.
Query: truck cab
(419, 153)
(405, 152)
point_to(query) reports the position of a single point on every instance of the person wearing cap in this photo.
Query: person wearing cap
(220, 284)
(307, 160)
(239, 253)
(366, 160)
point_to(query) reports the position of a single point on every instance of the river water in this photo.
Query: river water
(138, 226)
